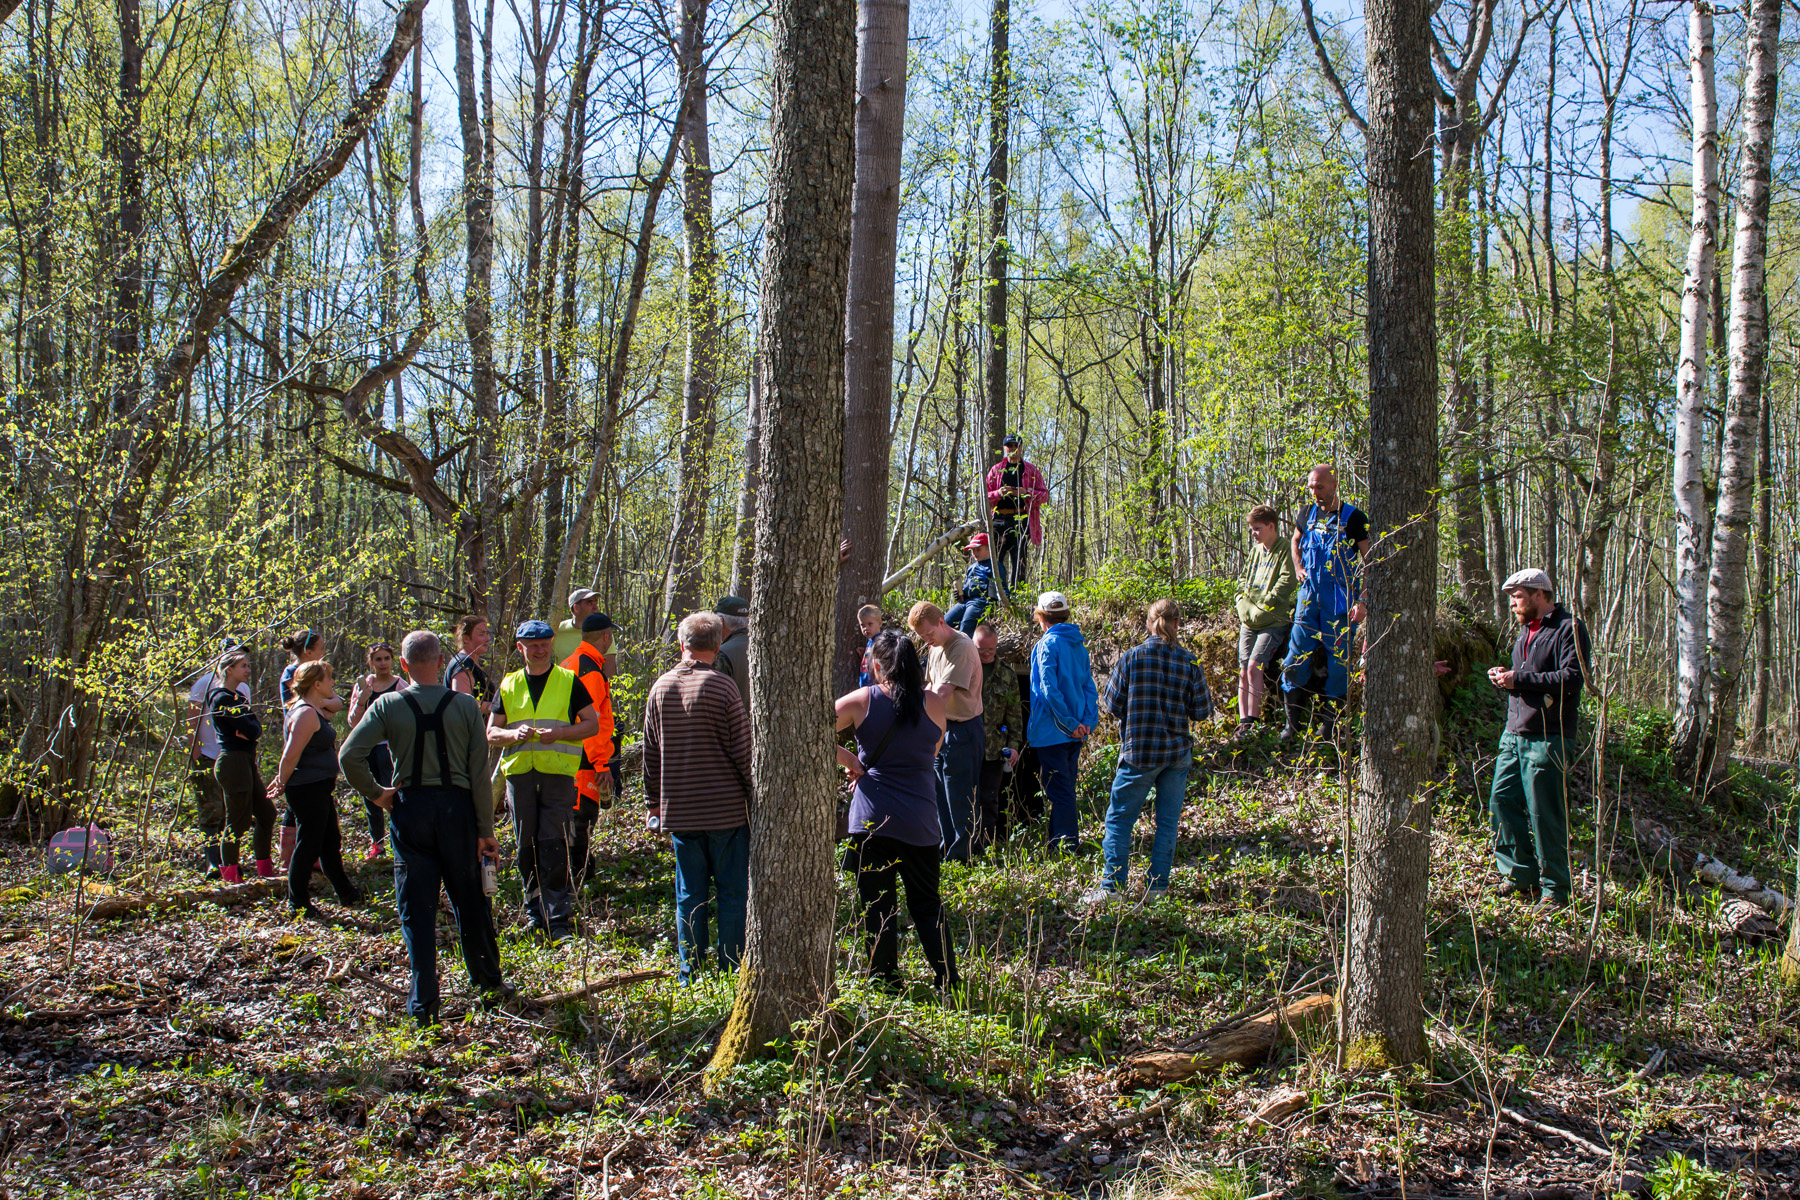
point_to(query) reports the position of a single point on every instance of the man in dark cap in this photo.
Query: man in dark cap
(539, 720)
(733, 660)
(593, 790)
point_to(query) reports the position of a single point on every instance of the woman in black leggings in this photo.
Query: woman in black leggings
(308, 775)
(377, 683)
(246, 804)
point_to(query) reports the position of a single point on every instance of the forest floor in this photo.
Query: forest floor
(232, 1052)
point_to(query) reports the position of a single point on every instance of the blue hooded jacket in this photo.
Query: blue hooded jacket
(1062, 687)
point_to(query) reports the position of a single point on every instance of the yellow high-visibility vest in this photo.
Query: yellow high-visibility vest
(551, 710)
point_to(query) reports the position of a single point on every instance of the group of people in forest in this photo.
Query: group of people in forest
(941, 730)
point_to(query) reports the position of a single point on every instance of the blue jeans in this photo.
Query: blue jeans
(434, 845)
(1129, 788)
(1316, 629)
(716, 861)
(1058, 768)
(967, 614)
(958, 776)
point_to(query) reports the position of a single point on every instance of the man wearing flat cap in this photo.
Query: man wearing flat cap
(583, 603)
(1529, 803)
(541, 716)
(733, 660)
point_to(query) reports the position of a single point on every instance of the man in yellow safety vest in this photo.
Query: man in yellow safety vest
(539, 720)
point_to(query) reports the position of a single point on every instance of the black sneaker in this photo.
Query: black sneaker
(498, 997)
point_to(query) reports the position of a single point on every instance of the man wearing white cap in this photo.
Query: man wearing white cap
(1065, 707)
(582, 603)
(1529, 802)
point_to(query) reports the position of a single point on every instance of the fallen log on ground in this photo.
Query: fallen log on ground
(1666, 848)
(598, 986)
(224, 894)
(1245, 1043)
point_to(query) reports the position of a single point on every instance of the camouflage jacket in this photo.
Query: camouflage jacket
(1002, 709)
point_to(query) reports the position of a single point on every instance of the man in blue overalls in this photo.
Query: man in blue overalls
(1331, 541)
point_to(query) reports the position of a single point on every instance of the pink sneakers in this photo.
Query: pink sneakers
(376, 852)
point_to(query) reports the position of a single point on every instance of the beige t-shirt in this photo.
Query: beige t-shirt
(957, 664)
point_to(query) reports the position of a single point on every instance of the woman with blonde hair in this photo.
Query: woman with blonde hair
(1155, 691)
(308, 776)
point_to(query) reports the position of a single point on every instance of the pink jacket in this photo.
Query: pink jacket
(1032, 480)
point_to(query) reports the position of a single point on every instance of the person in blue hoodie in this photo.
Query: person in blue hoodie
(1064, 709)
(976, 590)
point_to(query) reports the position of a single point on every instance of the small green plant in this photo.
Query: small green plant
(1679, 1177)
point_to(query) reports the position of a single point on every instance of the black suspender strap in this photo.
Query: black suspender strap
(432, 723)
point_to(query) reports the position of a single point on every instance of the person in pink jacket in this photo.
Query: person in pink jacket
(1016, 491)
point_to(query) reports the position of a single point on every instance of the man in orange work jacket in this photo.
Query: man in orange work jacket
(593, 790)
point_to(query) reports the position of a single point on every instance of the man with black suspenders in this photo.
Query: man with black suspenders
(442, 815)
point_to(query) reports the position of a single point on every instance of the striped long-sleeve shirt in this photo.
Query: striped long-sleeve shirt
(1156, 690)
(696, 751)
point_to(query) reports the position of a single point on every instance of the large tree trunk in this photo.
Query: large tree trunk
(1725, 588)
(869, 330)
(1391, 836)
(1692, 549)
(1764, 595)
(700, 388)
(786, 973)
(998, 164)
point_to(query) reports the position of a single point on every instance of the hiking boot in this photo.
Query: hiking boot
(1549, 905)
(352, 898)
(1296, 706)
(1523, 891)
(215, 862)
(498, 997)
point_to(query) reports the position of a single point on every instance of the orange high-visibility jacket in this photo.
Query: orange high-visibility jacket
(589, 667)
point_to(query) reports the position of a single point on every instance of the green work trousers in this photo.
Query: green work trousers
(1529, 806)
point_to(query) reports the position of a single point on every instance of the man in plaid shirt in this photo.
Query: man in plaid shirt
(1156, 690)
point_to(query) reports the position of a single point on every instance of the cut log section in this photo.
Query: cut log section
(1246, 1043)
(227, 894)
(1666, 850)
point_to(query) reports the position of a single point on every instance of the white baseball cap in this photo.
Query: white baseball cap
(1052, 602)
(1530, 577)
(580, 594)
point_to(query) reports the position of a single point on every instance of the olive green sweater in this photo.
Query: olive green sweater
(1266, 589)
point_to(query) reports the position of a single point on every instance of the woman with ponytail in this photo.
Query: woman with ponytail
(1156, 690)
(895, 838)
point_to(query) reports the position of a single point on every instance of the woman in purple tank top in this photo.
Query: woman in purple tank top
(894, 836)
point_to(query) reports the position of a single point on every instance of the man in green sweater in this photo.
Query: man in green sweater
(1265, 609)
(442, 815)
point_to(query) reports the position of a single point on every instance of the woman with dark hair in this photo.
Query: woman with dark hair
(463, 673)
(239, 728)
(895, 838)
(308, 776)
(377, 683)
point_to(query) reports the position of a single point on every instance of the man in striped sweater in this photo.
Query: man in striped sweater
(697, 789)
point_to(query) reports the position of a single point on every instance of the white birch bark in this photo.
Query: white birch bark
(1691, 517)
(1727, 584)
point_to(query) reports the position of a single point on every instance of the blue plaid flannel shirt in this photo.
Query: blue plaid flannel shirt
(1155, 691)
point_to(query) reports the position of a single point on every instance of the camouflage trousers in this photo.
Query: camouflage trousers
(209, 798)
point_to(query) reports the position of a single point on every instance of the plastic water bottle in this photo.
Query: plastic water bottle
(490, 875)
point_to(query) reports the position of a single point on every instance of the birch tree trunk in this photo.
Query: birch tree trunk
(1691, 518)
(1383, 1016)
(787, 967)
(1726, 585)
(869, 329)
(1764, 594)
(700, 389)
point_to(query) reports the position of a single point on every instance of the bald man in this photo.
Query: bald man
(1329, 547)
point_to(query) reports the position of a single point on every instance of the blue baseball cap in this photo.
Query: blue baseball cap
(533, 630)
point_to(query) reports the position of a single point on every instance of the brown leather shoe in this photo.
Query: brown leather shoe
(1522, 891)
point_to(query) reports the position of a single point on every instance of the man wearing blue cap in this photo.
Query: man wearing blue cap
(539, 720)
